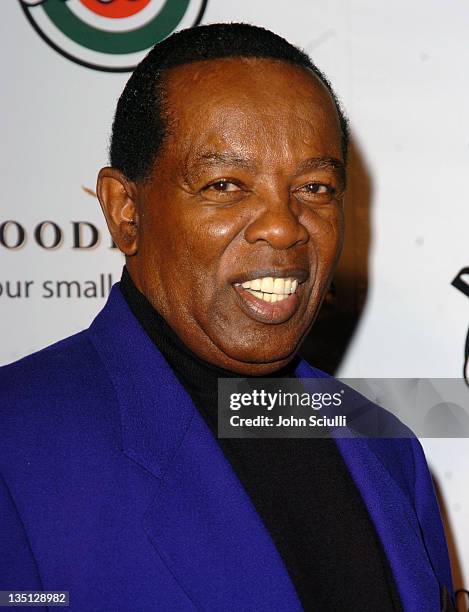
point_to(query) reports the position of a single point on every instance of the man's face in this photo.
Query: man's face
(240, 224)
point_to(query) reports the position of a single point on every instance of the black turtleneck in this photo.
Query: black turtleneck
(301, 489)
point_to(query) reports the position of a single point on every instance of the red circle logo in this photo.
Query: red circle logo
(118, 9)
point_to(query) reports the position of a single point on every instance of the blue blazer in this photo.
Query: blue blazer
(113, 488)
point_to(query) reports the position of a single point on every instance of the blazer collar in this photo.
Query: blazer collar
(145, 386)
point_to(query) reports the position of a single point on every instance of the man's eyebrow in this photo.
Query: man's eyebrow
(322, 163)
(228, 158)
(216, 158)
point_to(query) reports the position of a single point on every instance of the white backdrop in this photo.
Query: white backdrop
(400, 69)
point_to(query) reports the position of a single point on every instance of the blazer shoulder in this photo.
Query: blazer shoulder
(47, 370)
(58, 387)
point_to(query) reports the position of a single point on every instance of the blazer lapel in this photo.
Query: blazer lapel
(201, 521)
(396, 524)
(374, 467)
(207, 531)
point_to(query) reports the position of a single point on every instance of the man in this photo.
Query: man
(225, 194)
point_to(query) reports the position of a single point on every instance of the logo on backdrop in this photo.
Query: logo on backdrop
(461, 282)
(109, 35)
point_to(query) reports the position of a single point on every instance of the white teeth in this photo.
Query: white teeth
(279, 286)
(257, 294)
(270, 289)
(267, 285)
(268, 297)
(256, 284)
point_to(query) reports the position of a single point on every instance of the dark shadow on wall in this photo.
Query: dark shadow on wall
(456, 570)
(327, 342)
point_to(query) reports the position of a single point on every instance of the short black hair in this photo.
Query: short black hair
(139, 126)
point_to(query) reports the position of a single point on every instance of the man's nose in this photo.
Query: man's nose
(278, 225)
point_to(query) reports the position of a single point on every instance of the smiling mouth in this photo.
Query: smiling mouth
(270, 289)
(270, 299)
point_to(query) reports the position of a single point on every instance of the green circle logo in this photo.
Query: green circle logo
(109, 35)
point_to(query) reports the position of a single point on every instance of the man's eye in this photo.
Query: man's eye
(223, 186)
(313, 188)
(223, 191)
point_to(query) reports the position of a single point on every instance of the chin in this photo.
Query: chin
(267, 357)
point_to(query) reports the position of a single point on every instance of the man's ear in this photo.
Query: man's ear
(117, 196)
